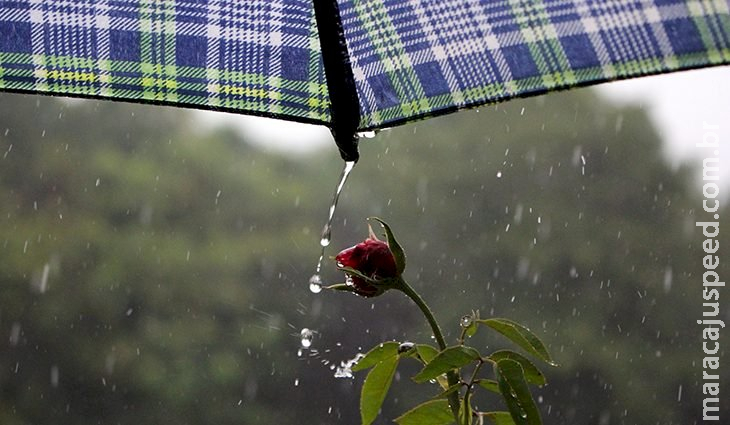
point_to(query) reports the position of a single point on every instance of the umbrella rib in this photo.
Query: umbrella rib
(344, 102)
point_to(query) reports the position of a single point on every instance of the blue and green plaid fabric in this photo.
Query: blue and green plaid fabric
(410, 58)
(251, 56)
(414, 58)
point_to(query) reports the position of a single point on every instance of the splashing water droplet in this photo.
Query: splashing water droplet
(307, 335)
(315, 284)
(345, 368)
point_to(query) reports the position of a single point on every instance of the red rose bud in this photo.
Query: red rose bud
(371, 258)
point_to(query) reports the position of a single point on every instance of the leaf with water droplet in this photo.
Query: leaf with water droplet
(469, 324)
(521, 336)
(516, 393)
(395, 248)
(375, 387)
(378, 354)
(532, 373)
(448, 359)
(434, 412)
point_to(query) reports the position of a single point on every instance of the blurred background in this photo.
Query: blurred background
(154, 262)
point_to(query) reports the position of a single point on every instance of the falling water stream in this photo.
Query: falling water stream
(315, 282)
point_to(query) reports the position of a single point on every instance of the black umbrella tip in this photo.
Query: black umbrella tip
(348, 147)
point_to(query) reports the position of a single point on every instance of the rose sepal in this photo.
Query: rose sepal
(398, 254)
(382, 284)
(340, 287)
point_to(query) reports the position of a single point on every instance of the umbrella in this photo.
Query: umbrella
(352, 65)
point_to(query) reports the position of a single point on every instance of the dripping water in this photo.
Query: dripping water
(315, 282)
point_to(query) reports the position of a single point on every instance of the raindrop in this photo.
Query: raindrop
(98, 182)
(55, 375)
(466, 321)
(315, 284)
(10, 148)
(15, 334)
(573, 272)
(296, 382)
(668, 279)
(345, 368)
(42, 283)
(499, 174)
(306, 336)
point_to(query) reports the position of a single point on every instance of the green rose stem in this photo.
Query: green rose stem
(451, 377)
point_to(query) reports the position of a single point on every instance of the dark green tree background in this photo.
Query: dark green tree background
(153, 272)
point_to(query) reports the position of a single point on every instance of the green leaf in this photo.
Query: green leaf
(532, 373)
(449, 359)
(498, 418)
(490, 385)
(379, 353)
(516, 393)
(426, 352)
(471, 330)
(375, 388)
(465, 416)
(434, 412)
(521, 336)
(395, 248)
(450, 390)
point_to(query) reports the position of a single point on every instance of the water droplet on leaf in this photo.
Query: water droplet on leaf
(405, 347)
(466, 321)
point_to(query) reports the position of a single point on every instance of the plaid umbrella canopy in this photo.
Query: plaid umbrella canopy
(352, 65)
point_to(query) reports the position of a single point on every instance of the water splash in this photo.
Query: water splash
(345, 368)
(315, 282)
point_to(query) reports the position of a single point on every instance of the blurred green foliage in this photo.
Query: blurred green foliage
(155, 272)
